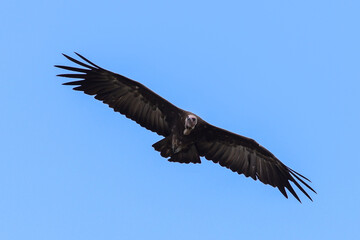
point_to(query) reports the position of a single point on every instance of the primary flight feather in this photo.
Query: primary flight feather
(187, 137)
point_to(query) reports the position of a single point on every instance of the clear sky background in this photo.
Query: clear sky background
(285, 73)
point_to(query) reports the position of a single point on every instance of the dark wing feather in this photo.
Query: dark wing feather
(245, 156)
(124, 95)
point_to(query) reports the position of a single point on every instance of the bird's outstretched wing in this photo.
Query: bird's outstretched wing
(245, 156)
(124, 95)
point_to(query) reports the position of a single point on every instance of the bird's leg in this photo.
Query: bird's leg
(176, 144)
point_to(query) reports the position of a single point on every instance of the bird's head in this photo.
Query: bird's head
(190, 123)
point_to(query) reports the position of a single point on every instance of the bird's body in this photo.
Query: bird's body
(187, 137)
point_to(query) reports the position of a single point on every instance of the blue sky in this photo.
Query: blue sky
(285, 73)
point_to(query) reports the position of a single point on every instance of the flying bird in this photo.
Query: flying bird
(187, 137)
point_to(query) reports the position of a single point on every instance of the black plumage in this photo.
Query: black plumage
(187, 136)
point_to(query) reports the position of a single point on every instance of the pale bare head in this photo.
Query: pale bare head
(190, 123)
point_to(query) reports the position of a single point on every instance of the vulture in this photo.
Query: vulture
(187, 137)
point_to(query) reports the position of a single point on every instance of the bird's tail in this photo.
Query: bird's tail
(187, 155)
(164, 147)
